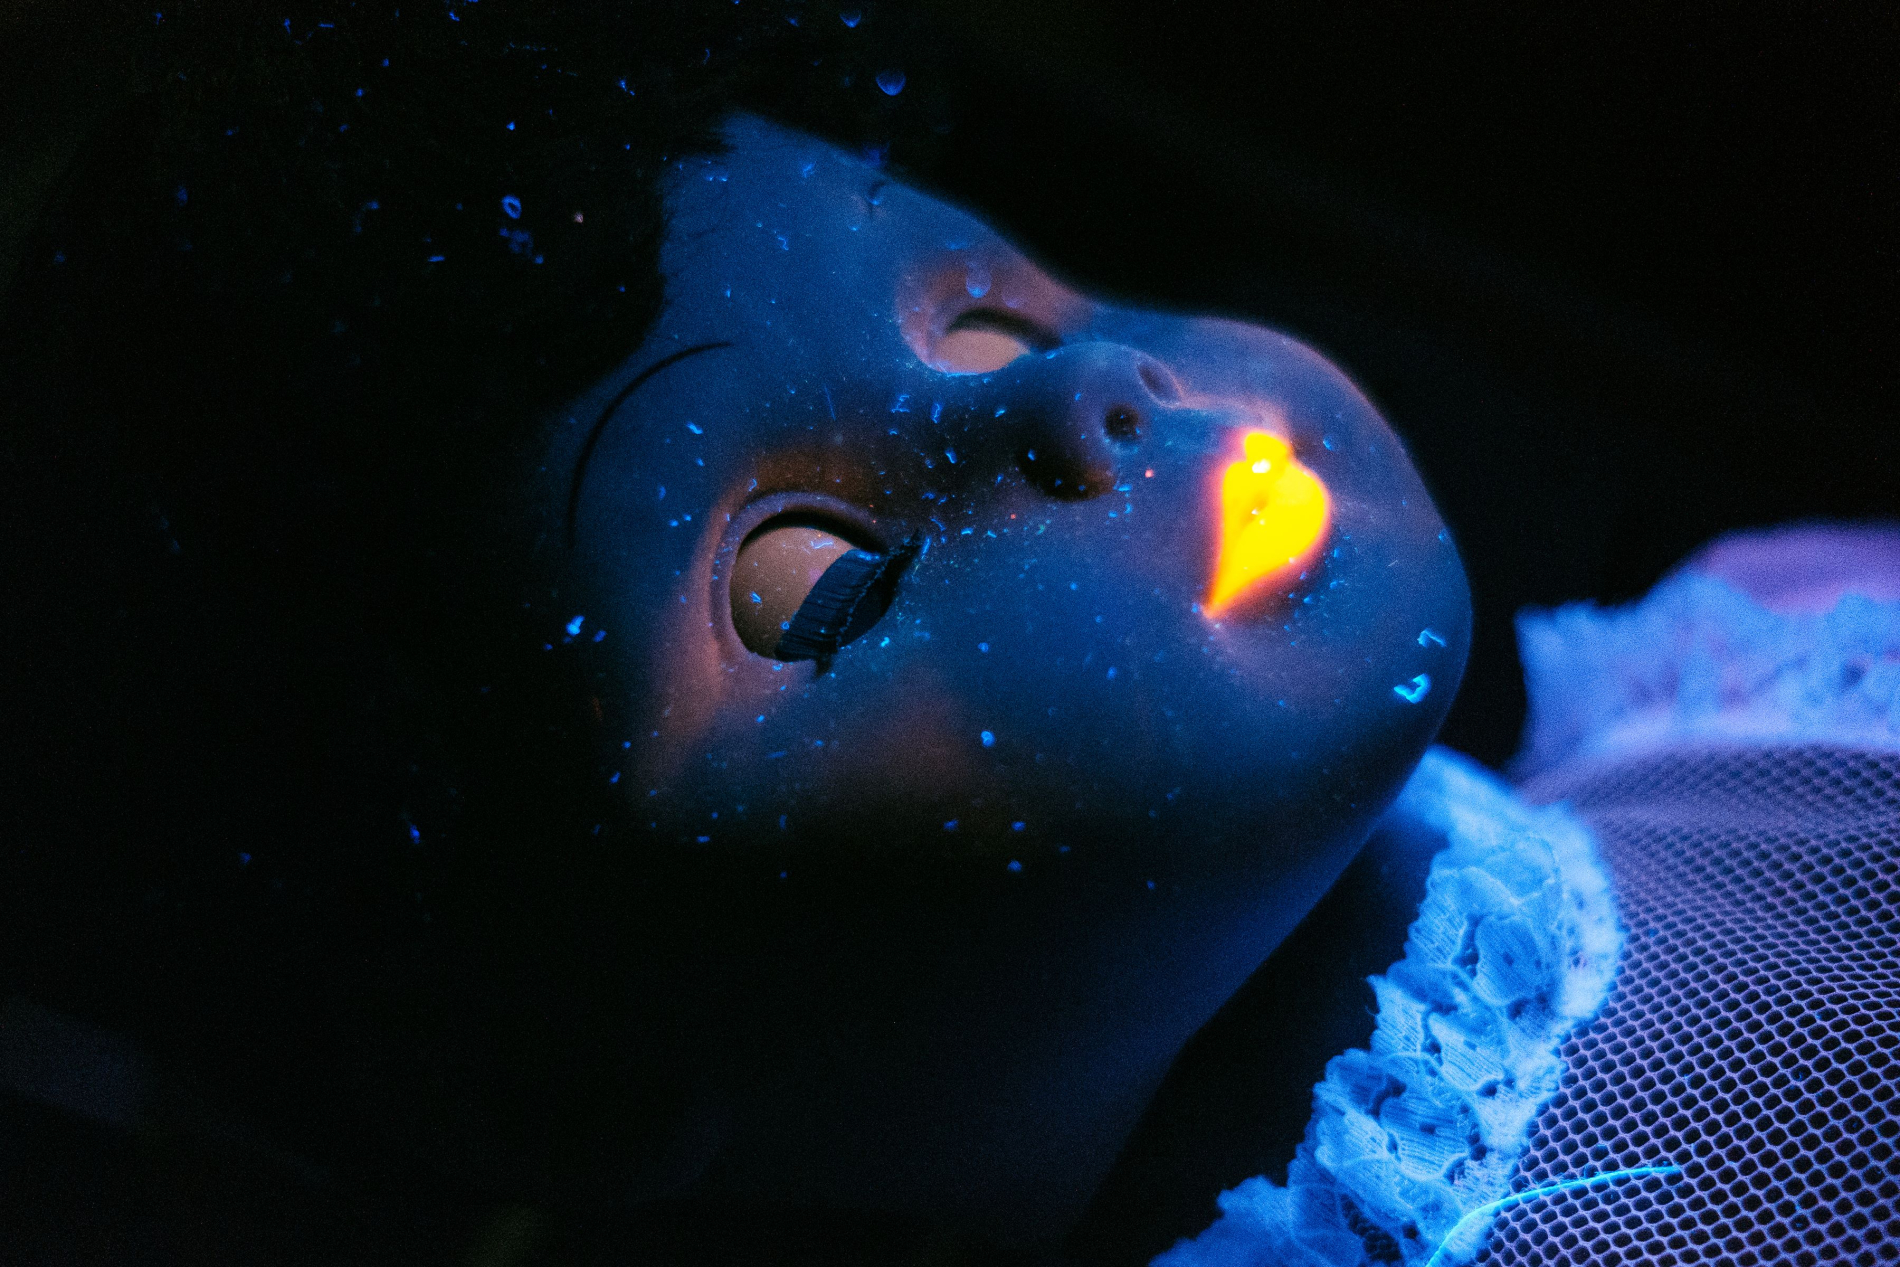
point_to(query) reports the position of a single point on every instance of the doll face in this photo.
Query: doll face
(1148, 616)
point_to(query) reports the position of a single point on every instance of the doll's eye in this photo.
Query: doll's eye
(986, 339)
(801, 589)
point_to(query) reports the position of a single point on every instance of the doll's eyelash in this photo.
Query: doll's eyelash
(1034, 335)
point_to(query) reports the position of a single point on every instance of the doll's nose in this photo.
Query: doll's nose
(1078, 414)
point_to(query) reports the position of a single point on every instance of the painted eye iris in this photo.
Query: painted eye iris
(802, 590)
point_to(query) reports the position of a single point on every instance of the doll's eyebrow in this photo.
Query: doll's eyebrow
(606, 415)
(1038, 337)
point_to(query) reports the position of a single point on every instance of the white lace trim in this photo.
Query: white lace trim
(1515, 945)
(1696, 659)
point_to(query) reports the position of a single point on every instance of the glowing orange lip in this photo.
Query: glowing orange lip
(1273, 513)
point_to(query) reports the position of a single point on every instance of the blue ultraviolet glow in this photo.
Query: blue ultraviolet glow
(890, 82)
(1430, 637)
(1415, 690)
(851, 17)
(511, 205)
(989, 739)
(1014, 865)
(1484, 1212)
(574, 626)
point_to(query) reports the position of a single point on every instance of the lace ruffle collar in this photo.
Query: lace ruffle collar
(1698, 660)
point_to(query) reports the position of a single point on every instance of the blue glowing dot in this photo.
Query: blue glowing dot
(511, 205)
(1018, 825)
(415, 835)
(511, 126)
(952, 824)
(1415, 690)
(574, 626)
(704, 839)
(983, 646)
(694, 428)
(1015, 865)
(244, 859)
(599, 634)
(989, 739)
(1429, 637)
(614, 777)
(851, 17)
(890, 82)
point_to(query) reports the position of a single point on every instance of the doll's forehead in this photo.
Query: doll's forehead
(777, 189)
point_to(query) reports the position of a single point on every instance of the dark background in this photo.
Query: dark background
(1623, 278)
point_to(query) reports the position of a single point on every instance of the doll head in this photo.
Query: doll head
(991, 675)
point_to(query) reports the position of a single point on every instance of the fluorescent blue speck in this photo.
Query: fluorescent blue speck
(1015, 865)
(1415, 690)
(574, 626)
(614, 777)
(1429, 637)
(1018, 825)
(244, 859)
(511, 126)
(694, 428)
(890, 82)
(951, 825)
(599, 634)
(983, 646)
(989, 739)
(1329, 442)
(511, 207)
(851, 17)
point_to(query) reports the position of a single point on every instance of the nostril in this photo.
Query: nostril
(1159, 382)
(1121, 424)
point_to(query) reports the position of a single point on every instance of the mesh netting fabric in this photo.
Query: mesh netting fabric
(1753, 1034)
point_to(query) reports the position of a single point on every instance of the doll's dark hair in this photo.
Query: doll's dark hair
(278, 353)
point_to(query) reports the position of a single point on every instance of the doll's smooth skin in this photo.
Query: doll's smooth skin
(932, 914)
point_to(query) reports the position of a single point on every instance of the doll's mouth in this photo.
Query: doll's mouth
(1274, 515)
